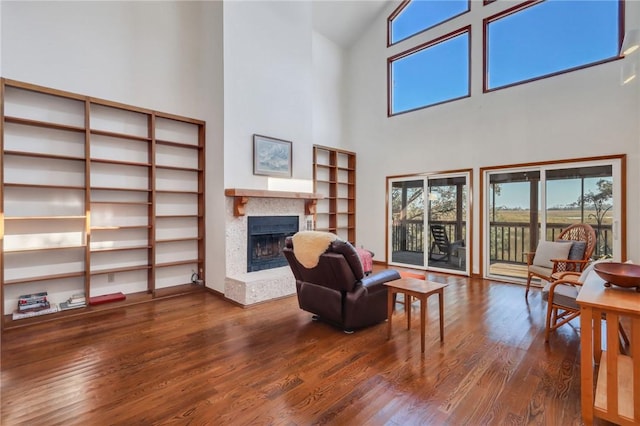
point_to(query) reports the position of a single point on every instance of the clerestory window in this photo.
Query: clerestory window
(541, 39)
(415, 16)
(430, 74)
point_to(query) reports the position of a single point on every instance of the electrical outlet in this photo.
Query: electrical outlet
(111, 278)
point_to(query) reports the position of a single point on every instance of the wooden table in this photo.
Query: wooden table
(421, 290)
(616, 396)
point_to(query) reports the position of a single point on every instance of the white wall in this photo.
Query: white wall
(243, 67)
(268, 85)
(1, 40)
(165, 56)
(328, 92)
(580, 114)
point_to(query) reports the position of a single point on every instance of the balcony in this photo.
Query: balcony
(509, 241)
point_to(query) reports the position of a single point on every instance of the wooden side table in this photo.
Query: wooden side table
(613, 393)
(421, 290)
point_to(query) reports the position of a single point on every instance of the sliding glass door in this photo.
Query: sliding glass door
(447, 222)
(428, 219)
(513, 215)
(525, 205)
(407, 219)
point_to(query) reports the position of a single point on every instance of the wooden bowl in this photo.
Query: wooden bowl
(620, 274)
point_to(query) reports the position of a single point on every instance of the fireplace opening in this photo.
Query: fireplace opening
(266, 237)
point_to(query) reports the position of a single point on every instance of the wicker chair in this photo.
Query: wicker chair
(561, 296)
(580, 232)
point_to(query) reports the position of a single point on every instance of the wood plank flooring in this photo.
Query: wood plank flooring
(200, 360)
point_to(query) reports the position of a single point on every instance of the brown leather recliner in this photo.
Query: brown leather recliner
(337, 290)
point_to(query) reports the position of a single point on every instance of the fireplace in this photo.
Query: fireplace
(265, 240)
(248, 288)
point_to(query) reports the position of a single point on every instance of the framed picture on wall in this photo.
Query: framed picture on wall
(271, 156)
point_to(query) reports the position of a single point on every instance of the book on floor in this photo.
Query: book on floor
(21, 315)
(66, 306)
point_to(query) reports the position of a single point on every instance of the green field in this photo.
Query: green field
(563, 216)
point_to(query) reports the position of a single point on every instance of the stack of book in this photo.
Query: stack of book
(76, 301)
(31, 305)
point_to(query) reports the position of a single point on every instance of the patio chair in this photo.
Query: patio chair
(441, 248)
(571, 252)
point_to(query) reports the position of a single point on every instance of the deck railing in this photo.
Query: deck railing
(509, 240)
(409, 234)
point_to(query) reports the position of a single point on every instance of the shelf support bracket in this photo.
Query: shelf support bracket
(310, 206)
(239, 203)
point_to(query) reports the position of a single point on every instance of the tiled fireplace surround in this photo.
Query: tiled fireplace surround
(249, 288)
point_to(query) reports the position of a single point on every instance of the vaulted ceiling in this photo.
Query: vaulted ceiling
(344, 21)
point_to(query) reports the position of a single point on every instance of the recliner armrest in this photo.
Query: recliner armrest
(380, 278)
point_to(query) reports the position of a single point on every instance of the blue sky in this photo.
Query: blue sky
(548, 37)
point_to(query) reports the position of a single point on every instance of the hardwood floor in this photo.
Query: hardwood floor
(199, 360)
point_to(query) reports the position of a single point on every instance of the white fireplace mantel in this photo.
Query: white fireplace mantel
(241, 197)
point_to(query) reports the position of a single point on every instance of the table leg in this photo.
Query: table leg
(407, 310)
(586, 363)
(390, 294)
(441, 303)
(597, 335)
(423, 320)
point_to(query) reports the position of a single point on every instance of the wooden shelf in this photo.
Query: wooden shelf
(119, 228)
(176, 191)
(122, 140)
(334, 176)
(43, 155)
(111, 249)
(625, 386)
(178, 262)
(325, 166)
(25, 250)
(177, 216)
(177, 240)
(120, 135)
(108, 188)
(123, 269)
(44, 124)
(178, 290)
(120, 162)
(45, 278)
(241, 198)
(184, 169)
(263, 193)
(177, 144)
(41, 185)
(129, 203)
(36, 218)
